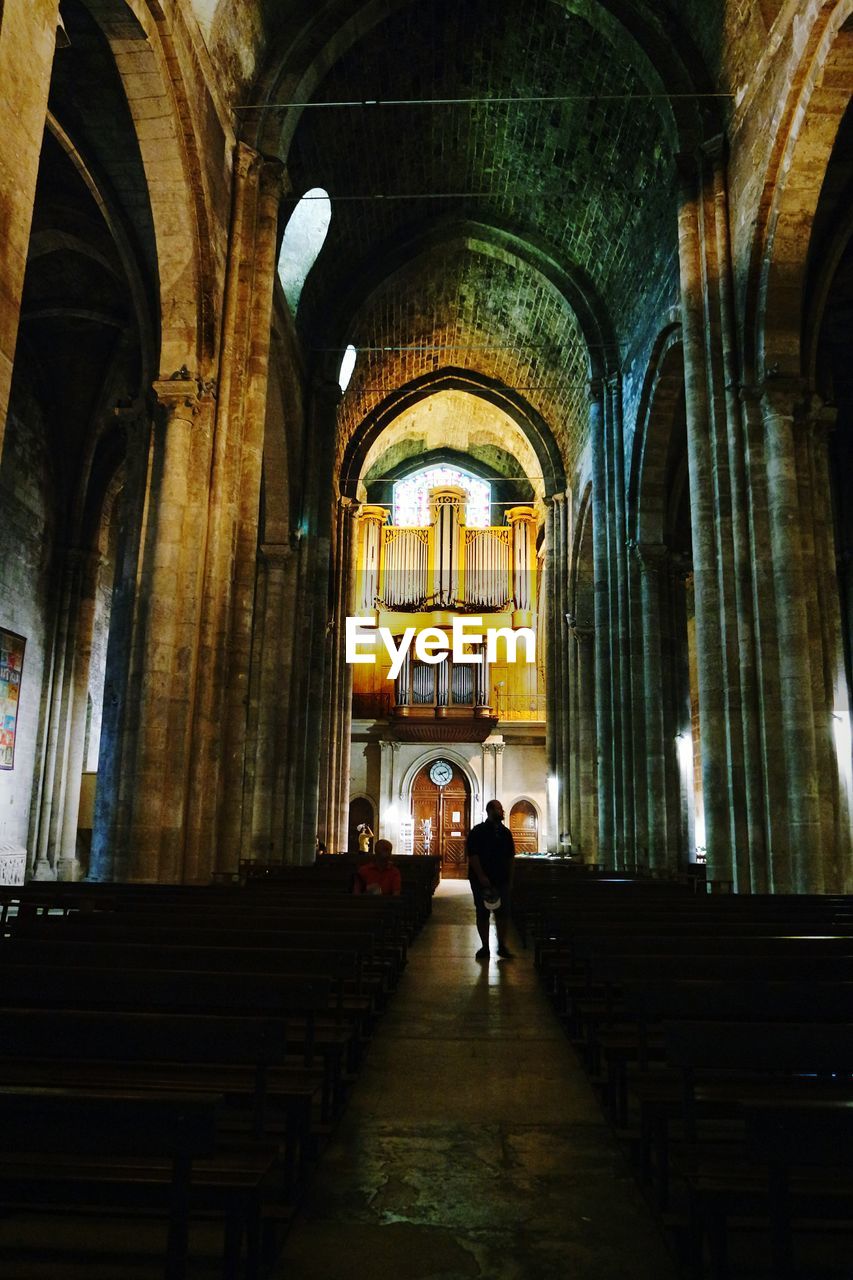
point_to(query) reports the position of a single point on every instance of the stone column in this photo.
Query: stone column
(774, 859)
(327, 806)
(349, 553)
(750, 831)
(636, 657)
(224, 643)
(54, 830)
(603, 669)
(615, 547)
(273, 621)
(67, 865)
(148, 809)
(585, 837)
(829, 681)
(574, 762)
(159, 727)
(563, 763)
(310, 751)
(493, 749)
(651, 558)
(709, 648)
(120, 694)
(802, 785)
(623, 764)
(675, 702)
(388, 800)
(27, 44)
(552, 668)
(334, 808)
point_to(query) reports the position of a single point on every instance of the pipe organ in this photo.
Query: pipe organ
(423, 576)
(446, 565)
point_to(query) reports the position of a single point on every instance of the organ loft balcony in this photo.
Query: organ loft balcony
(410, 578)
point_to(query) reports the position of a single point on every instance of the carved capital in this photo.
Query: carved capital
(776, 396)
(520, 515)
(595, 392)
(272, 177)
(580, 629)
(179, 396)
(650, 555)
(369, 512)
(246, 159)
(326, 392)
(716, 148)
(275, 554)
(790, 400)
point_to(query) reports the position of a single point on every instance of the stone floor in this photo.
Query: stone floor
(472, 1146)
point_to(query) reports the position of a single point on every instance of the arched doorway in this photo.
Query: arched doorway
(360, 810)
(524, 825)
(441, 807)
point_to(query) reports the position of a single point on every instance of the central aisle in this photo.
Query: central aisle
(472, 1145)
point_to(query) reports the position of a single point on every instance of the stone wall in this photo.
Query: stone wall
(26, 542)
(520, 763)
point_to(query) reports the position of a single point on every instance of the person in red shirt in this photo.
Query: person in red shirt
(379, 875)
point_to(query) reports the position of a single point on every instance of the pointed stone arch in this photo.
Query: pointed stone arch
(818, 98)
(510, 402)
(140, 38)
(662, 393)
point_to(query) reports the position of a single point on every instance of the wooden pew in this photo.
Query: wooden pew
(625, 966)
(798, 1173)
(373, 960)
(273, 1081)
(131, 986)
(75, 1150)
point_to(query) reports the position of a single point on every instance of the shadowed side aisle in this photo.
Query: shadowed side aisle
(472, 1145)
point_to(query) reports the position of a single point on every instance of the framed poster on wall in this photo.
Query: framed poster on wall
(11, 667)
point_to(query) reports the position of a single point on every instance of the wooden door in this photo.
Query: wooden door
(440, 797)
(524, 826)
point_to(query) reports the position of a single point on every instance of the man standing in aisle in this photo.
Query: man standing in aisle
(491, 850)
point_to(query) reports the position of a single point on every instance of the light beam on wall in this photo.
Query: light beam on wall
(843, 744)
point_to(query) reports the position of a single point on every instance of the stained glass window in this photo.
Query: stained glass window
(411, 497)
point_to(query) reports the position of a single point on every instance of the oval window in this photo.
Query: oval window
(347, 366)
(304, 237)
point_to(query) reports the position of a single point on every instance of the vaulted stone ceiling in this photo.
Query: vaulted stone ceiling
(459, 306)
(586, 184)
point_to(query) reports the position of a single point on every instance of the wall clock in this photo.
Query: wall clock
(441, 773)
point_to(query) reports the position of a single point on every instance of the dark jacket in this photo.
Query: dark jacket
(493, 844)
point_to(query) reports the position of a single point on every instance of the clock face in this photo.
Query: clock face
(441, 773)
